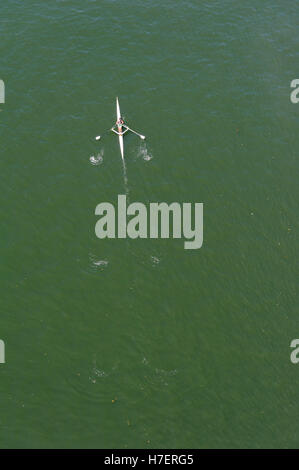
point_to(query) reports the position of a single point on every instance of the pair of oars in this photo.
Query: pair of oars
(128, 128)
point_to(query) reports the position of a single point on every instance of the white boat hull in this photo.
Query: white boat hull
(120, 129)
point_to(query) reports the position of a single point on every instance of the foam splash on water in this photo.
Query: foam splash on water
(155, 260)
(144, 153)
(97, 373)
(97, 160)
(168, 373)
(98, 263)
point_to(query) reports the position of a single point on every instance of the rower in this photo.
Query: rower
(120, 122)
(122, 128)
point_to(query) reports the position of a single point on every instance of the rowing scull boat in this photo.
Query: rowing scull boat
(120, 130)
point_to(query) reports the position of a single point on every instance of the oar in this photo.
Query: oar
(134, 132)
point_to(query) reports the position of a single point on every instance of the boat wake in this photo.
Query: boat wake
(126, 186)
